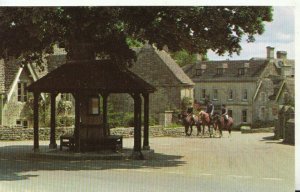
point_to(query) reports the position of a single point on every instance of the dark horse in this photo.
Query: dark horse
(188, 121)
(206, 121)
(219, 122)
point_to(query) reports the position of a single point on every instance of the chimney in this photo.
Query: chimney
(270, 52)
(281, 54)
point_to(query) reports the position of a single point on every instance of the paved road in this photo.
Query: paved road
(243, 162)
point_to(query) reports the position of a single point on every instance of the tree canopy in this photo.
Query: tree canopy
(30, 32)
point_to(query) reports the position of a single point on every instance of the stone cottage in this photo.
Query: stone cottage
(251, 89)
(158, 69)
(14, 78)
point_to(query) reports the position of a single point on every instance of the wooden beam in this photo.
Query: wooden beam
(36, 121)
(137, 154)
(105, 122)
(146, 122)
(77, 122)
(53, 144)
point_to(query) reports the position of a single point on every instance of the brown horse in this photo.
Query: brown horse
(222, 125)
(188, 121)
(206, 121)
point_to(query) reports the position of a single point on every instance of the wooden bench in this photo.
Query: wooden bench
(67, 140)
(113, 142)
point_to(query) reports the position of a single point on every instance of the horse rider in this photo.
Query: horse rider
(224, 112)
(210, 108)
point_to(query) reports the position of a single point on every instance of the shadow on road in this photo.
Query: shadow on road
(14, 165)
(271, 140)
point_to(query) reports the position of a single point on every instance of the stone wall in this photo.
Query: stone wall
(15, 134)
(285, 125)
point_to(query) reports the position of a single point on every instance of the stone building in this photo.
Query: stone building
(14, 78)
(158, 69)
(251, 89)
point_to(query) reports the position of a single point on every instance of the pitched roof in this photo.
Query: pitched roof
(174, 67)
(254, 69)
(91, 76)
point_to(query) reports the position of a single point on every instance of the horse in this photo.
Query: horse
(221, 125)
(206, 121)
(188, 121)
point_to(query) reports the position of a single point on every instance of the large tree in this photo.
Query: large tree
(86, 32)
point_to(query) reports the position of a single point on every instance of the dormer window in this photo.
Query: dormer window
(199, 72)
(220, 71)
(241, 71)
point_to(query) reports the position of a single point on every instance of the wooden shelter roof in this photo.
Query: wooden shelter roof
(91, 76)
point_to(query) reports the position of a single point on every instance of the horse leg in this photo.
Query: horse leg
(209, 130)
(198, 129)
(186, 129)
(220, 130)
(229, 130)
(191, 129)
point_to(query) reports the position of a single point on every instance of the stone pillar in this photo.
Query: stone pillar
(36, 121)
(53, 144)
(146, 122)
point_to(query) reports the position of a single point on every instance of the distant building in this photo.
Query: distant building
(251, 89)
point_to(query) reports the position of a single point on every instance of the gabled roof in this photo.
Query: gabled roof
(231, 73)
(91, 76)
(174, 67)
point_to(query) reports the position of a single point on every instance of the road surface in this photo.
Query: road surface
(240, 163)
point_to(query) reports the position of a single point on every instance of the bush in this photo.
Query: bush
(262, 124)
(65, 121)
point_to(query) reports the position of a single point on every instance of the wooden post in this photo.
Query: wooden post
(146, 122)
(36, 121)
(53, 144)
(105, 123)
(77, 122)
(137, 154)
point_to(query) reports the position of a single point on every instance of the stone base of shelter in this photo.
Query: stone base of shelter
(66, 154)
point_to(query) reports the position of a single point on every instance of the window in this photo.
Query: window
(66, 96)
(93, 105)
(203, 94)
(25, 124)
(19, 123)
(22, 92)
(229, 112)
(244, 116)
(230, 94)
(22, 123)
(199, 72)
(241, 71)
(220, 71)
(245, 94)
(215, 94)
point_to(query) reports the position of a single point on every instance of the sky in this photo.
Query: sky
(280, 34)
